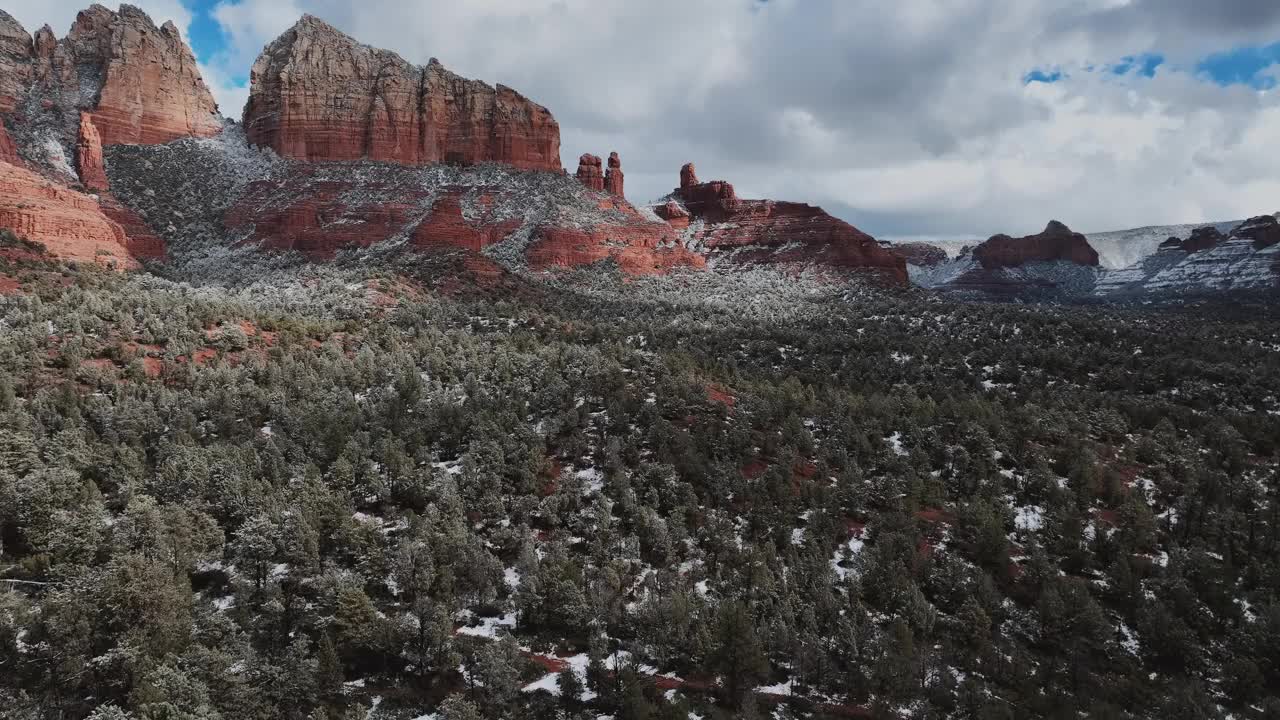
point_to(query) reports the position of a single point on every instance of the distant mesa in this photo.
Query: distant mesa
(920, 254)
(1056, 242)
(738, 232)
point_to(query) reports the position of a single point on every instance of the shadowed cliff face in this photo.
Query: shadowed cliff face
(317, 94)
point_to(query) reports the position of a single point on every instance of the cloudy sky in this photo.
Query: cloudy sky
(939, 118)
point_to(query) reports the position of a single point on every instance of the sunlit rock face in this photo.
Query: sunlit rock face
(317, 94)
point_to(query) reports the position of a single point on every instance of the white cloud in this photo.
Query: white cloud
(229, 93)
(249, 26)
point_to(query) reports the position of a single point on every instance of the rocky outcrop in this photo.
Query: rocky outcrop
(593, 174)
(139, 82)
(738, 232)
(674, 213)
(613, 177)
(590, 173)
(115, 78)
(69, 224)
(715, 201)
(89, 163)
(446, 226)
(16, 52)
(1263, 230)
(688, 176)
(920, 254)
(638, 248)
(1056, 243)
(140, 240)
(316, 213)
(1204, 238)
(317, 94)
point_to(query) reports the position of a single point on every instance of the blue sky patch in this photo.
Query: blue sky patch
(1242, 66)
(205, 33)
(207, 36)
(1143, 65)
(1042, 76)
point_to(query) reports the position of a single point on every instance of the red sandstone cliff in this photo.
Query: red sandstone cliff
(317, 94)
(115, 78)
(70, 224)
(139, 82)
(8, 151)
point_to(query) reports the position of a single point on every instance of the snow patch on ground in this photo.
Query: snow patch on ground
(489, 627)
(895, 442)
(1029, 518)
(779, 689)
(592, 480)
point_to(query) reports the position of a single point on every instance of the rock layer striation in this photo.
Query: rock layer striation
(317, 94)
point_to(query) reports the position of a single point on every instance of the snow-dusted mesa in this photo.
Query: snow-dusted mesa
(1157, 261)
(1246, 258)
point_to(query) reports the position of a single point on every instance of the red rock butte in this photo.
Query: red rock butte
(316, 94)
(1057, 242)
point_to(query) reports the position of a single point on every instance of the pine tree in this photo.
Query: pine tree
(738, 655)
